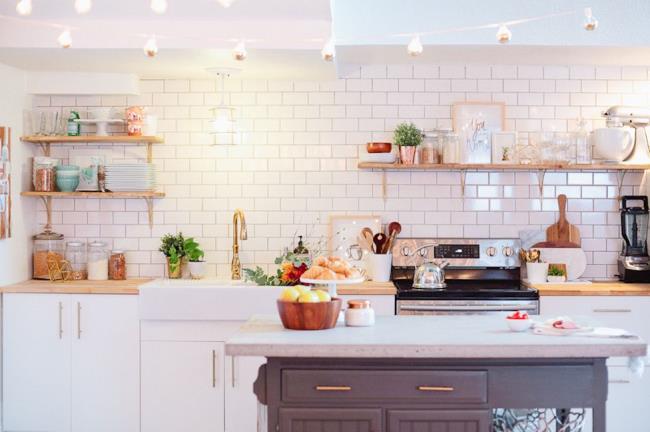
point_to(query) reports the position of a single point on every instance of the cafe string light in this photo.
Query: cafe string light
(24, 7)
(159, 6)
(83, 6)
(504, 34)
(590, 23)
(151, 47)
(226, 3)
(239, 53)
(65, 39)
(415, 47)
(329, 51)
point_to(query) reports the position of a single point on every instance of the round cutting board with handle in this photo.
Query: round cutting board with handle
(562, 230)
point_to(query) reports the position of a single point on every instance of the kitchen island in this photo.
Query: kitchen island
(407, 372)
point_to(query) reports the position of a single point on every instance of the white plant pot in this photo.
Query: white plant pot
(556, 279)
(197, 269)
(537, 272)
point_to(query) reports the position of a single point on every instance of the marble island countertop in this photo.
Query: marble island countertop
(421, 337)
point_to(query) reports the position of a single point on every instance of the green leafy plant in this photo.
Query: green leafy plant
(192, 250)
(174, 260)
(291, 267)
(407, 135)
(555, 271)
(175, 242)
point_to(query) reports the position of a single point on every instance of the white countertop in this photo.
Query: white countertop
(421, 337)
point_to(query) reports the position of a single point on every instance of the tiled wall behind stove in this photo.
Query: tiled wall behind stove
(297, 163)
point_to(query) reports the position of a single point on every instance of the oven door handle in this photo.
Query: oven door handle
(466, 308)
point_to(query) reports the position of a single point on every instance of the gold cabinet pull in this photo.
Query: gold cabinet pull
(436, 388)
(333, 388)
(214, 368)
(78, 320)
(60, 320)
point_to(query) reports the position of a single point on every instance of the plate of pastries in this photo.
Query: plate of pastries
(331, 269)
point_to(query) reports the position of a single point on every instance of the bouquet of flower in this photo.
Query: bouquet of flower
(291, 267)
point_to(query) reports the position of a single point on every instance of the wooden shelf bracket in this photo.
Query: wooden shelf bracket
(46, 148)
(149, 201)
(463, 178)
(541, 173)
(47, 202)
(620, 178)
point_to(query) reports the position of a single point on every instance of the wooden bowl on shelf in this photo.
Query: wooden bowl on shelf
(379, 147)
(309, 316)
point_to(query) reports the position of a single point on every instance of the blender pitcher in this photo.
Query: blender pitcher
(634, 226)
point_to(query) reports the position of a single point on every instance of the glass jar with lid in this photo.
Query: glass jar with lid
(450, 146)
(359, 313)
(97, 261)
(75, 254)
(47, 246)
(117, 265)
(44, 174)
(430, 149)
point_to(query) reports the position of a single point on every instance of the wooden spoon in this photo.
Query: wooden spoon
(379, 240)
(368, 235)
(394, 228)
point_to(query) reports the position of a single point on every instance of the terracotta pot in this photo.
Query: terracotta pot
(407, 154)
(309, 316)
(176, 272)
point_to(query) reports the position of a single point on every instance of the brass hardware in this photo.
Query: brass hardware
(436, 388)
(78, 320)
(238, 232)
(333, 388)
(612, 310)
(60, 320)
(214, 368)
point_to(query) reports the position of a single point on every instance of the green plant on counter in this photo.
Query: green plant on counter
(192, 250)
(173, 247)
(407, 135)
(174, 260)
(555, 271)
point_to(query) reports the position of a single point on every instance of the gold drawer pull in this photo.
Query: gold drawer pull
(435, 388)
(333, 388)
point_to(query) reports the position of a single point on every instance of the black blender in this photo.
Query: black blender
(634, 263)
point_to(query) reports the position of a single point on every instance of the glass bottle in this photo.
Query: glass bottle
(450, 147)
(97, 261)
(75, 254)
(583, 145)
(48, 245)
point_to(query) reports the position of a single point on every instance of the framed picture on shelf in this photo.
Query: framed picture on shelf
(475, 122)
(504, 147)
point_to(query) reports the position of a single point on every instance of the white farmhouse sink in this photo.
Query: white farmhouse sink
(205, 300)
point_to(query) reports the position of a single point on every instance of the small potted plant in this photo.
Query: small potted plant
(556, 273)
(407, 137)
(173, 247)
(194, 256)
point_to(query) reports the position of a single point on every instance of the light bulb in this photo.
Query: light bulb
(226, 3)
(151, 47)
(504, 34)
(83, 6)
(65, 39)
(24, 7)
(239, 52)
(590, 23)
(415, 47)
(329, 51)
(159, 6)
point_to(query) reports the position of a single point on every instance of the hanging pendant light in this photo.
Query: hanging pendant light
(329, 51)
(158, 6)
(83, 6)
(65, 39)
(239, 52)
(415, 47)
(24, 7)
(590, 23)
(151, 47)
(222, 121)
(504, 34)
(226, 3)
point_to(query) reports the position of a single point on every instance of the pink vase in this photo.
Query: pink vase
(407, 154)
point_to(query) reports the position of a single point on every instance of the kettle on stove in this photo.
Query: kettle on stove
(430, 276)
(634, 262)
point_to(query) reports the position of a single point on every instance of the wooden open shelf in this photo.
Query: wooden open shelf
(91, 139)
(505, 167)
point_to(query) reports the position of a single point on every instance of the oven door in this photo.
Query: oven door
(465, 307)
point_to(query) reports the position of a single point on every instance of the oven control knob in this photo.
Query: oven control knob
(406, 251)
(491, 251)
(423, 252)
(508, 251)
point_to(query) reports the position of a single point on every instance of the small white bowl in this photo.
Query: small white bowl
(519, 325)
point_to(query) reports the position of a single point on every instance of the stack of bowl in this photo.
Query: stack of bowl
(67, 177)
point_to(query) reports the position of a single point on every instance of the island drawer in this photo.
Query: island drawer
(458, 386)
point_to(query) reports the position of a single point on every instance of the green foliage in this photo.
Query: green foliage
(175, 243)
(259, 277)
(408, 135)
(555, 271)
(192, 250)
(174, 259)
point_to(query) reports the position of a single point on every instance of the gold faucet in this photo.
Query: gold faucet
(238, 221)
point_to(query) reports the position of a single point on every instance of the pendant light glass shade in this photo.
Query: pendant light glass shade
(222, 121)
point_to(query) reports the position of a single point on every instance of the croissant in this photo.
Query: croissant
(321, 261)
(315, 272)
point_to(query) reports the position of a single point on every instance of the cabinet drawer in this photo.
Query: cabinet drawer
(423, 386)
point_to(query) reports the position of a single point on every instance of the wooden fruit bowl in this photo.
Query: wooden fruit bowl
(309, 316)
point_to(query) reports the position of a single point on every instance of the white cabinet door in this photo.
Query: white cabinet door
(241, 403)
(36, 363)
(105, 363)
(628, 401)
(182, 386)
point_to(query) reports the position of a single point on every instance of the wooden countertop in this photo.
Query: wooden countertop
(595, 288)
(129, 286)
(367, 288)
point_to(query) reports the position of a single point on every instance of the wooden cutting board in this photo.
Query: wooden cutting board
(563, 231)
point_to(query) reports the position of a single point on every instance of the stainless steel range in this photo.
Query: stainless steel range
(480, 277)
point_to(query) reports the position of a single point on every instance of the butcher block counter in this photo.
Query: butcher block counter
(129, 286)
(595, 288)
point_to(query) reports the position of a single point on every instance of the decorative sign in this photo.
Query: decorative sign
(474, 122)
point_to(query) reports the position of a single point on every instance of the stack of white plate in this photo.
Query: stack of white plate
(130, 177)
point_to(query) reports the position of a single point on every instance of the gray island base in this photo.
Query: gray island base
(466, 374)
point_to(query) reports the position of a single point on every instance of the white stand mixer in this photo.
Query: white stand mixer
(637, 118)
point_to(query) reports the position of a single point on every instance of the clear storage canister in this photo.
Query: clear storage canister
(450, 146)
(75, 254)
(117, 265)
(430, 149)
(97, 261)
(48, 245)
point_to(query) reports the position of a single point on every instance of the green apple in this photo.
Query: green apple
(309, 297)
(323, 296)
(290, 294)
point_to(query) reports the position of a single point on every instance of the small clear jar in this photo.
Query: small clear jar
(75, 254)
(430, 148)
(450, 146)
(97, 261)
(47, 246)
(359, 313)
(117, 265)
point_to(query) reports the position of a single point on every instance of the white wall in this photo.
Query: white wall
(15, 253)
(298, 163)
